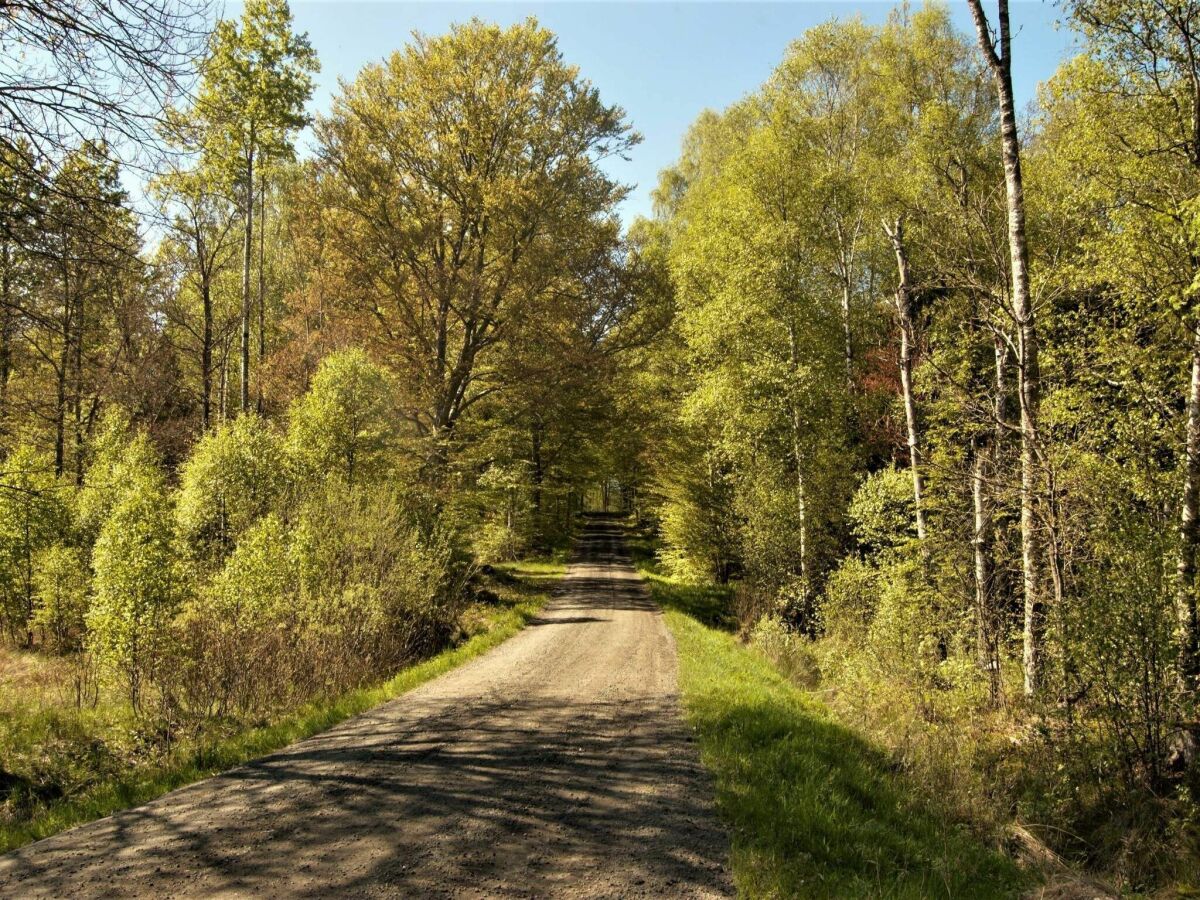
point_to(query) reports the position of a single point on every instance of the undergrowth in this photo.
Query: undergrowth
(89, 760)
(815, 810)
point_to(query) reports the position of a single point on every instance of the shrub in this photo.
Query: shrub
(372, 576)
(239, 635)
(851, 598)
(344, 425)
(233, 477)
(136, 584)
(881, 512)
(118, 455)
(61, 582)
(789, 651)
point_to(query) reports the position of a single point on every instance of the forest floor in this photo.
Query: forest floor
(556, 764)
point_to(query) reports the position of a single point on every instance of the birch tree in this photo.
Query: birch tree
(995, 43)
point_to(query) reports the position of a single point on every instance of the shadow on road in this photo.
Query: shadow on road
(547, 775)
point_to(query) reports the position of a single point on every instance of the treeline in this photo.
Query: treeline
(930, 403)
(259, 427)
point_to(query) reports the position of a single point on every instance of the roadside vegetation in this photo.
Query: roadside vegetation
(929, 412)
(66, 765)
(814, 809)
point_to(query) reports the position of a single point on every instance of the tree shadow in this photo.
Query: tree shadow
(512, 793)
(520, 798)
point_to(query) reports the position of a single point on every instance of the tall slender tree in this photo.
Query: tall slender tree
(996, 46)
(257, 78)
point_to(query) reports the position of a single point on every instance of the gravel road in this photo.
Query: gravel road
(555, 765)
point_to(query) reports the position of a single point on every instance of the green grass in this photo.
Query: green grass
(814, 810)
(528, 592)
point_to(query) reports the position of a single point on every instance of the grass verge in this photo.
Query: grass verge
(527, 591)
(814, 810)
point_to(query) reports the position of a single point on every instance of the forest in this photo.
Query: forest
(902, 378)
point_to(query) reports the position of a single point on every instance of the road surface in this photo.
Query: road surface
(555, 765)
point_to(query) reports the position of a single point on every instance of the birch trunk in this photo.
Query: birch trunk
(798, 453)
(999, 58)
(904, 314)
(985, 639)
(1189, 530)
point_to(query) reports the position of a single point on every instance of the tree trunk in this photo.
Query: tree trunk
(904, 314)
(60, 399)
(206, 350)
(849, 348)
(224, 391)
(1189, 531)
(6, 338)
(985, 607)
(538, 475)
(985, 455)
(999, 60)
(262, 281)
(247, 262)
(77, 387)
(798, 456)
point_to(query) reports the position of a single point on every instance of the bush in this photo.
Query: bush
(234, 476)
(239, 638)
(61, 581)
(379, 584)
(881, 513)
(118, 455)
(343, 426)
(136, 584)
(851, 598)
(789, 651)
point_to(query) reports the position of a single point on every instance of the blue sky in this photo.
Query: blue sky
(664, 62)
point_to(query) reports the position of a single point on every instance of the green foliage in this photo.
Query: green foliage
(232, 478)
(374, 575)
(92, 780)
(256, 582)
(881, 511)
(33, 516)
(346, 423)
(482, 124)
(851, 598)
(256, 78)
(730, 365)
(61, 583)
(119, 455)
(781, 365)
(137, 583)
(504, 536)
(816, 810)
(695, 519)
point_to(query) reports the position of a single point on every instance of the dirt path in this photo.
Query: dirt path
(555, 765)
